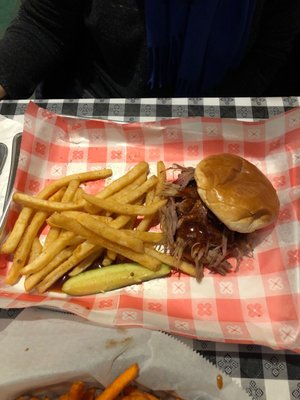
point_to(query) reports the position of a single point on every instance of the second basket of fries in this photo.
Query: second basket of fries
(99, 363)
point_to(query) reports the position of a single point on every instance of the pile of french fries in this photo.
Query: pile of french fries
(122, 388)
(112, 226)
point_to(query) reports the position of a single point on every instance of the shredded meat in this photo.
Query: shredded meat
(193, 233)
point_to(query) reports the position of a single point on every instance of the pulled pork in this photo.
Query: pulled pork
(193, 233)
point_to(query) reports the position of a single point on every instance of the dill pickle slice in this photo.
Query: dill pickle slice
(111, 277)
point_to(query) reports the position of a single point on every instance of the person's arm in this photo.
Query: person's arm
(277, 29)
(35, 41)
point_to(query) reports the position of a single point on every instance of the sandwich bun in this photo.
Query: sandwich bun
(237, 192)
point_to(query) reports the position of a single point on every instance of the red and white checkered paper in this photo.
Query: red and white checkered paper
(259, 303)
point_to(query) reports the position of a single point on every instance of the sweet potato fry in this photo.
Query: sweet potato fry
(76, 391)
(89, 394)
(123, 387)
(116, 387)
(139, 395)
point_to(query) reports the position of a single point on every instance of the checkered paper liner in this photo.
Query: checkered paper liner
(256, 305)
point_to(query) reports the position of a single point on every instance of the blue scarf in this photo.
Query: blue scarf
(193, 44)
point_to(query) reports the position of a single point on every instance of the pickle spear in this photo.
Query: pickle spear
(111, 277)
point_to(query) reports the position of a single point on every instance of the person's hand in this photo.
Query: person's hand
(2, 92)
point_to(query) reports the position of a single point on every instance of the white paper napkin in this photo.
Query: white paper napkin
(42, 347)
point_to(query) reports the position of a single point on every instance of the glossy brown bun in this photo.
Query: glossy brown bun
(237, 192)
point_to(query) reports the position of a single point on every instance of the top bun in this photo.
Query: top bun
(237, 192)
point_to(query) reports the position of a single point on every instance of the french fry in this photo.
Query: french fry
(13, 239)
(111, 255)
(78, 195)
(117, 185)
(52, 235)
(169, 260)
(122, 195)
(109, 258)
(145, 223)
(67, 197)
(66, 239)
(111, 225)
(23, 250)
(133, 195)
(45, 205)
(153, 196)
(162, 177)
(81, 176)
(120, 221)
(125, 209)
(114, 235)
(36, 249)
(33, 279)
(140, 169)
(75, 227)
(116, 387)
(71, 190)
(147, 237)
(104, 219)
(77, 256)
(86, 262)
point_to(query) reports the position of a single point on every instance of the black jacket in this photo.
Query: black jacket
(97, 48)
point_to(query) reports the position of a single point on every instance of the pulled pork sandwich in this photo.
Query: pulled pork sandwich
(213, 208)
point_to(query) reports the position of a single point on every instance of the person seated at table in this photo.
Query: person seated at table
(146, 48)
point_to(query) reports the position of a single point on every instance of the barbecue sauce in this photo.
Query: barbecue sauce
(197, 222)
(195, 234)
(56, 287)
